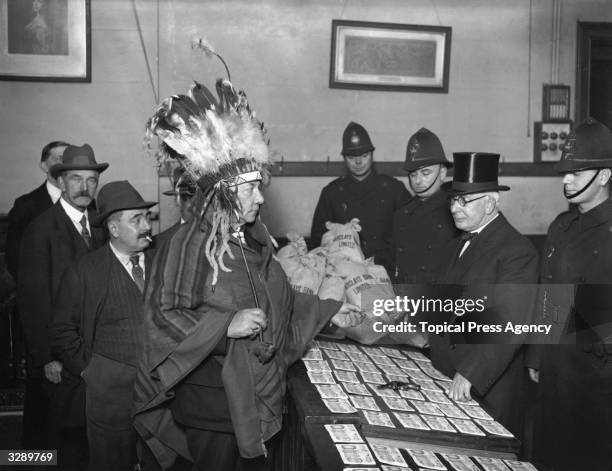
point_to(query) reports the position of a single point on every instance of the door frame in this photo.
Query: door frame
(586, 32)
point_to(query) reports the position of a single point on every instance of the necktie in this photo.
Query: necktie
(465, 237)
(84, 232)
(137, 272)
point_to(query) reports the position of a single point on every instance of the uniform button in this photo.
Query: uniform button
(382, 201)
(423, 268)
(400, 249)
(582, 279)
(595, 252)
(429, 247)
(452, 346)
(549, 277)
(439, 226)
(373, 237)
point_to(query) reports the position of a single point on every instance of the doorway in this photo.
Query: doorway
(594, 72)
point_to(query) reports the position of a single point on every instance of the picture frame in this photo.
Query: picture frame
(45, 40)
(390, 56)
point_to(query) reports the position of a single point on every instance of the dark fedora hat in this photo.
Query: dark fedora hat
(474, 172)
(356, 140)
(182, 183)
(589, 146)
(424, 149)
(78, 158)
(117, 196)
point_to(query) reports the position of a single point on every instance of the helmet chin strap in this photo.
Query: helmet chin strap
(569, 197)
(429, 187)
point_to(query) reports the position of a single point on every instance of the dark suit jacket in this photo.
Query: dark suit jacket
(25, 209)
(500, 256)
(49, 245)
(79, 301)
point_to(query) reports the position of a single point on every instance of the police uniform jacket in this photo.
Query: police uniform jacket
(576, 363)
(421, 231)
(373, 201)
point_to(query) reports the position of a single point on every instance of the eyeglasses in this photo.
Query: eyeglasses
(462, 201)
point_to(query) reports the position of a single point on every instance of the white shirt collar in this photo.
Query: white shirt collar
(74, 214)
(125, 259)
(481, 228)
(54, 192)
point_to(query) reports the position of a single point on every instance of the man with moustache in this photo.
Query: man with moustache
(424, 225)
(54, 240)
(573, 367)
(27, 207)
(492, 261)
(365, 194)
(98, 316)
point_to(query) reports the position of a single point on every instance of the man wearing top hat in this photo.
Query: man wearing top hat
(183, 189)
(97, 320)
(574, 366)
(364, 194)
(54, 240)
(424, 225)
(490, 261)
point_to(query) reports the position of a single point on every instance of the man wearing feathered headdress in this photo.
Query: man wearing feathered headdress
(222, 324)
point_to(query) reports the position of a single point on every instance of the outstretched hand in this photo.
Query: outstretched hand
(349, 315)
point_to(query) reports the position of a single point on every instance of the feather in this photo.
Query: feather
(204, 45)
(203, 97)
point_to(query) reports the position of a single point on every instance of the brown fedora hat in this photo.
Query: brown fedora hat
(117, 196)
(78, 158)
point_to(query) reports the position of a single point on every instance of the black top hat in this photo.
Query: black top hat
(588, 146)
(182, 183)
(117, 196)
(424, 149)
(78, 158)
(355, 140)
(475, 172)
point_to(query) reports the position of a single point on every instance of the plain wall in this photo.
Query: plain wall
(279, 52)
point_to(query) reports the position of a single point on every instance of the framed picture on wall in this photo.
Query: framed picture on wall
(45, 40)
(389, 56)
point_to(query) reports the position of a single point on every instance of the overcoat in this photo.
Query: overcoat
(49, 245)
(502, 265)
(574, 419)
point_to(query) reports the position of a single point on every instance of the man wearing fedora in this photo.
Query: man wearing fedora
(364, 194)
(54, 240)
(424, 225)
(97, 320)
(574, 366)
(491, 261)
(183, 190)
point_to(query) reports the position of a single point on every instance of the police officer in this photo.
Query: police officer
(424, 225)
(364, 194)
(574, 426)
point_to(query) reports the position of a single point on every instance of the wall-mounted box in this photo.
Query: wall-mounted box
(549, 139)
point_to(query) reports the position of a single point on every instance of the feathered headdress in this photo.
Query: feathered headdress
(220, 143)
